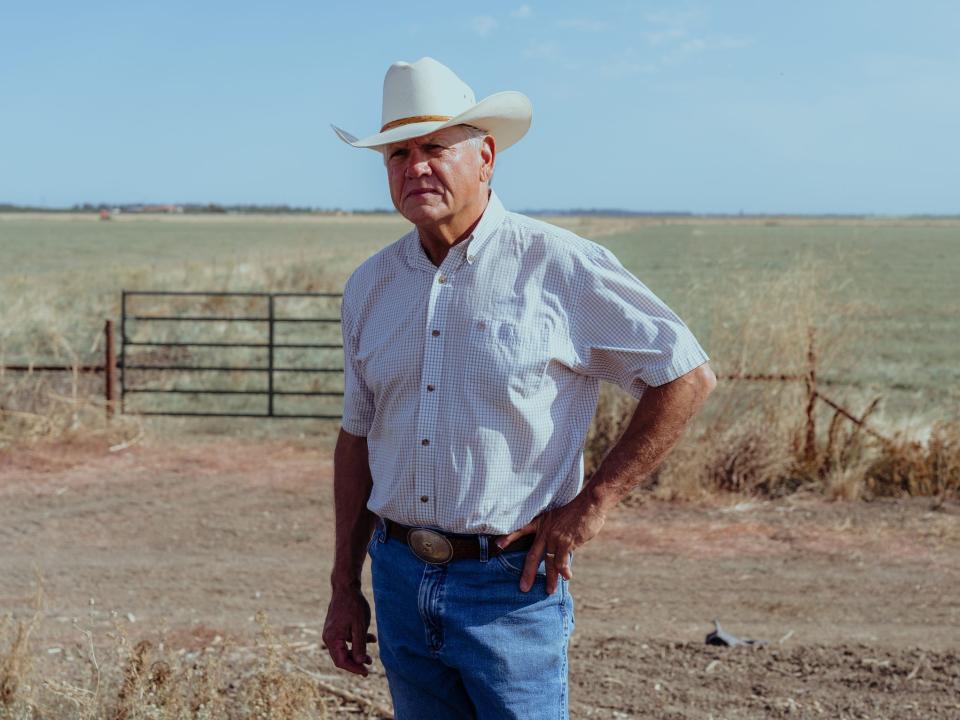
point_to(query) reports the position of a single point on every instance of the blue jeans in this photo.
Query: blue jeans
(461, 641)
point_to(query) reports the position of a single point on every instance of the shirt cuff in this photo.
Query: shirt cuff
(355, 426)
(679, 365)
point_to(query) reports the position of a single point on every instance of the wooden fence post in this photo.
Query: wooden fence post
(110, 369)
(810, 449)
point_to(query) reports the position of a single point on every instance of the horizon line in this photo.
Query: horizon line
(212, 208)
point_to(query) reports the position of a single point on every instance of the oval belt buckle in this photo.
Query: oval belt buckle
(430, 546)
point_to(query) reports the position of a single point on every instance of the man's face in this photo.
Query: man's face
(433, 178)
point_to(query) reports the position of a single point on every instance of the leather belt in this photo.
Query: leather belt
(439, 548)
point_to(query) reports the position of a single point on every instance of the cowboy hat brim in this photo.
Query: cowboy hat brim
(505, 115)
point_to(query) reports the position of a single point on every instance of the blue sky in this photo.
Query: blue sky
(762, 106)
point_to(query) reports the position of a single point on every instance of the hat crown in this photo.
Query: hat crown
(423, 88)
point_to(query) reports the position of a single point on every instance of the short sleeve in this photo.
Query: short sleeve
(358, 404)
(624, 334)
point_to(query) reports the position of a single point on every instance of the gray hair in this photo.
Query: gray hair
(475, 137)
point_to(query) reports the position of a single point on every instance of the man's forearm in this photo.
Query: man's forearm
(662, 415)
(354, 522)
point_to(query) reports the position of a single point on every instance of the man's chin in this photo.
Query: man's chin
(421, 212)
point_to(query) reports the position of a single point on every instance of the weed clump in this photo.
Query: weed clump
(147, 680)
(914, 468)
(14, 667)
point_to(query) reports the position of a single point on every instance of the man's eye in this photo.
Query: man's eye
(398, 154)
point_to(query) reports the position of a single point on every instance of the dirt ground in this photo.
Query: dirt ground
(859, 602)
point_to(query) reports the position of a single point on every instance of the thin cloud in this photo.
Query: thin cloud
(666, 38)
(728, 42)
(673, 51)
(628, 64)
(541, 50)
(677, 19)
(656, 38)
(624, 67)
(584, 24)
(680, 34)
(483, 24)
(524, 11)
(691, 46)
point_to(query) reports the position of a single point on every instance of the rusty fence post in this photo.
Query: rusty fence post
(810, 449)
(110, 369)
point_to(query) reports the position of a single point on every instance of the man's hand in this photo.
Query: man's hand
(348, 619)
(348, 616)
(558, 533)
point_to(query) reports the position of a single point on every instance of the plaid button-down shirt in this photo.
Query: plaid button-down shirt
(475, 382)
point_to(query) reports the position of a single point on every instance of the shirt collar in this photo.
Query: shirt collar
(493, 216)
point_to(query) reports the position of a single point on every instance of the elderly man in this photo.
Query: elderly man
(474, 348)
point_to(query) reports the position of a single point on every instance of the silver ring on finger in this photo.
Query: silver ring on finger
(550, 555)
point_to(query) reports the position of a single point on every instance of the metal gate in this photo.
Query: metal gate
(219, 354)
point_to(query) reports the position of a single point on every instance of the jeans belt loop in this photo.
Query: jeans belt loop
(484, 547)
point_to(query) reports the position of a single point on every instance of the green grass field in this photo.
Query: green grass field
(882, 294)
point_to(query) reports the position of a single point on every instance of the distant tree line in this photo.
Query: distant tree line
(185, 208)
(13, 208)
(283, 209)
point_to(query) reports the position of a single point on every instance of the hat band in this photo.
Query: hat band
(415, 119)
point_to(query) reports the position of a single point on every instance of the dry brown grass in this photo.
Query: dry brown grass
(907, 467)
(67, 406)
(14, 661)
(148, 680)
(751, 437)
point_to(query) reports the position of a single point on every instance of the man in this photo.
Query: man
(474, 347)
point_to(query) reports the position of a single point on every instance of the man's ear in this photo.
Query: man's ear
(488, 158)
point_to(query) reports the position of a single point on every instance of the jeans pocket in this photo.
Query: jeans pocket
(377, 537)
(513, 562)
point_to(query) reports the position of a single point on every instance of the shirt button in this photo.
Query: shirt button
(425, 442)
(442, 279)
(436, 333)
(430, 388)
(470, 258)
(424, 498)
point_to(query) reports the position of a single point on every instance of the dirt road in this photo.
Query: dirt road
(860, 603)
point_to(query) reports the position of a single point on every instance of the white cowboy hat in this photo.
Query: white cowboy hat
(423, 97)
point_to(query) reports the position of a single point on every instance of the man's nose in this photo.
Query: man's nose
(417, 164)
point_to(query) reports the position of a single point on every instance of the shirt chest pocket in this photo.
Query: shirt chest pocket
(505, 359)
